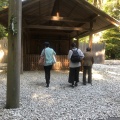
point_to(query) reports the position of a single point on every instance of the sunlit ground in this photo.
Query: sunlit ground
(97, 75)
(101, 99)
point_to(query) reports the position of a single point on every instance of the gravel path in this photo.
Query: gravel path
(98, 101)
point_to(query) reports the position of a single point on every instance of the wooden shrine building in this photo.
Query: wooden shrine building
(58, 22)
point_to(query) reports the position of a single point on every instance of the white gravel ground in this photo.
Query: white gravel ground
(61, 102)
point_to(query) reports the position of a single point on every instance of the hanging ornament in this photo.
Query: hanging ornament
(13, 25)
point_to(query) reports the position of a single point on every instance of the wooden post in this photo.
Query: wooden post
(90, 40)
(77, 41)
(22, 53)
(91, 35)
(14, 54)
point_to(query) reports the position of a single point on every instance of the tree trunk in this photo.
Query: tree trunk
(14, 54)
(97, 3)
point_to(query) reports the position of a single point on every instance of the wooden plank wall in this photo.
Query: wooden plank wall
(31, 62)
(97, 48)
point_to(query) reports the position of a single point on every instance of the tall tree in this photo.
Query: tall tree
(112, 36)
(97, 3)
(14, 54)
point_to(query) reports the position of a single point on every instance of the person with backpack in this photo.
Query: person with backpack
(75, 56)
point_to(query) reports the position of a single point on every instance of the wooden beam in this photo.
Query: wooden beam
(103, 28)
(76, 34)
(91, 35)
(54, 27)
(49, 32)
(86, 33)
(55, 18)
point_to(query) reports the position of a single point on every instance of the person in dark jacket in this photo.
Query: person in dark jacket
(88, 61)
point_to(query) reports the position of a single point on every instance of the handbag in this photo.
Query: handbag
(41, 60)
(54, 59)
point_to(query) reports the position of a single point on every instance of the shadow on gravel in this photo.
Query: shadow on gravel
(110, 118)
(113, 118)
(37, 84)
(2, 104)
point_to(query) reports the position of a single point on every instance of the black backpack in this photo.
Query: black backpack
(75, 56)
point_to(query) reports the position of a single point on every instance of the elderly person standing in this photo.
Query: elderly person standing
(87, 65)
(74, 68)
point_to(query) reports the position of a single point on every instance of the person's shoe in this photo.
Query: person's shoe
(72, 85)
(47, 85)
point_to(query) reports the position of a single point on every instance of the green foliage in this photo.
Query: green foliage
(90, 1)
(84, 39)
(112, 36)
(3, 32)
(3, 4)
(112, 39)
(113, 9)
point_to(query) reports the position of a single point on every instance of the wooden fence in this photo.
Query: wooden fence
(31, 62)
(97, 48)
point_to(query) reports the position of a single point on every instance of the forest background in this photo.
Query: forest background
(110, 37)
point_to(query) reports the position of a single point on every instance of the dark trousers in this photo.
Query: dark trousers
(47, 73)
(87, 69)
(73, 75)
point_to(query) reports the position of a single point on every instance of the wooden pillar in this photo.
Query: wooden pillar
(22, 53)
(90, 40)
(91, 35)
(77, 42)
(14, 54)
